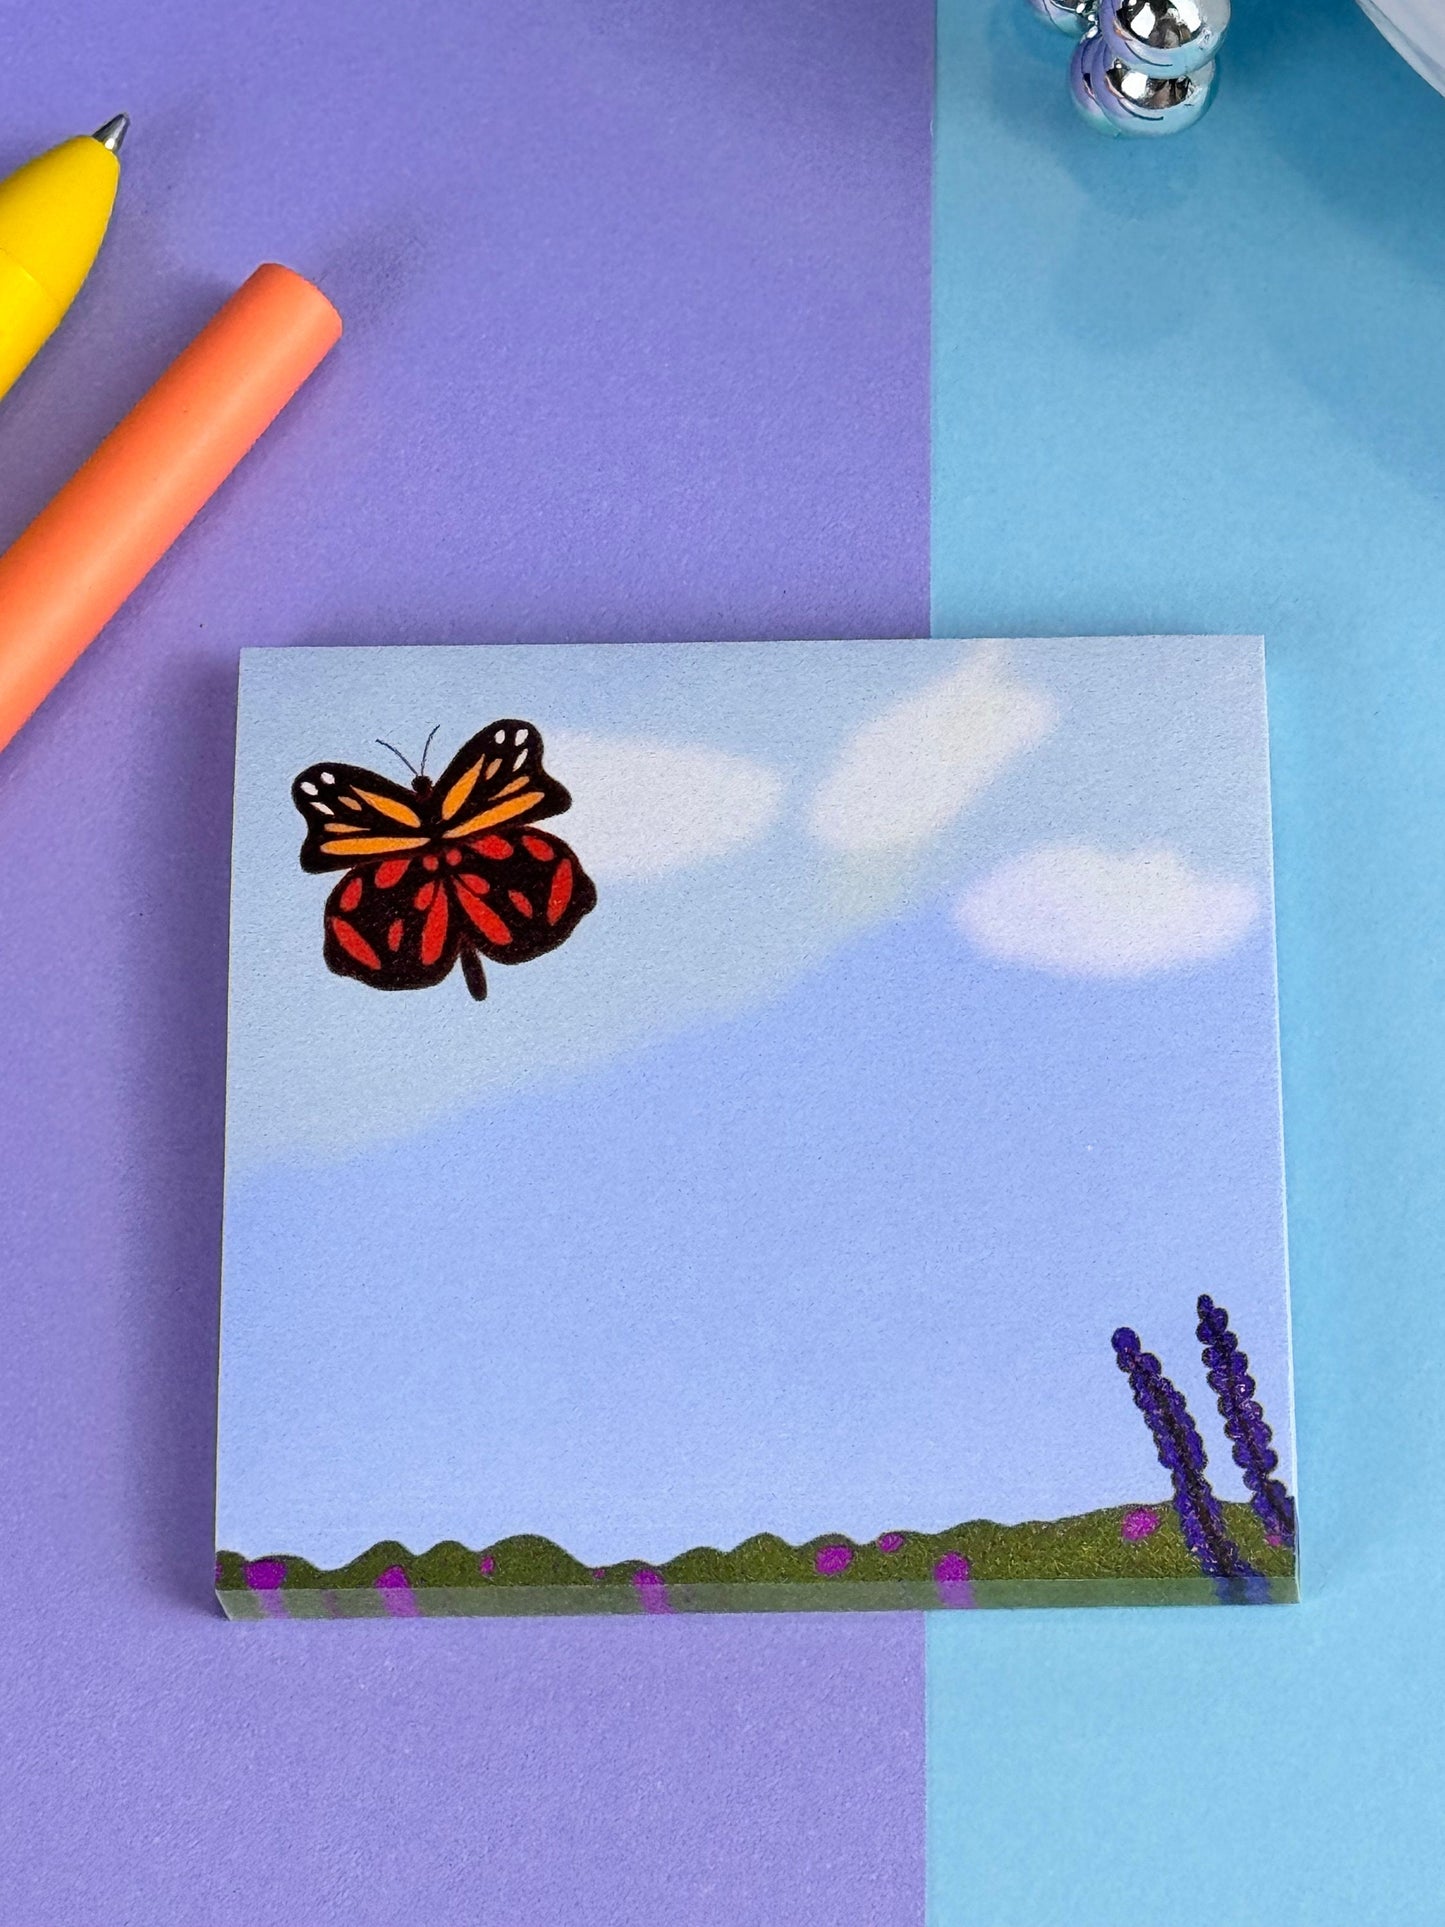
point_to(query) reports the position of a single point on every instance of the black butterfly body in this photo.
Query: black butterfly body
(444, 869)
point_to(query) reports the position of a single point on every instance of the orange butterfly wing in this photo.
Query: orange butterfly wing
(355, 816)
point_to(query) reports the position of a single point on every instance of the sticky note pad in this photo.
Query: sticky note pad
(771, 1125)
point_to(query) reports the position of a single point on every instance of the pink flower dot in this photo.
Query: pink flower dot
(266, 1575)
(833, 1559)
(486, 1565)
(952, 1569)
(599, 1573)
(1274, 1539)
(1139, 1523)
(396, 1593)
(890, 1541)
(652, 1591)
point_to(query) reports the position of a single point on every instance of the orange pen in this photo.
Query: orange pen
(66, 576)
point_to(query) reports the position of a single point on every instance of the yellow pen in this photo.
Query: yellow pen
(53, 215)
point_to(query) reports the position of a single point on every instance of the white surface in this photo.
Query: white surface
(1417, 29)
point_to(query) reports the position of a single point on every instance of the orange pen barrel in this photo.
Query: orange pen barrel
(74, 566)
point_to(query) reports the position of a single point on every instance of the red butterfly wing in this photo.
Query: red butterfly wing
(394, 925)
(519, 895)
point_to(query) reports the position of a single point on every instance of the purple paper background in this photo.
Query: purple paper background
(637, 304)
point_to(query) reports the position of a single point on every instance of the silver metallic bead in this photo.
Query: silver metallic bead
(1164, 38)
(1120, 100)
(1073, 17)
(1081, 87)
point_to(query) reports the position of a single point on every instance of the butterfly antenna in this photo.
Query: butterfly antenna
(397, 753)
(425, 747)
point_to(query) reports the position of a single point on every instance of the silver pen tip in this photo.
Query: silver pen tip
(113, 134)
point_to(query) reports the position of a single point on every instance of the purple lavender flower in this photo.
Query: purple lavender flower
(1244, 1423)
(891, 1541)
(1181, 1453)
(829, 1560)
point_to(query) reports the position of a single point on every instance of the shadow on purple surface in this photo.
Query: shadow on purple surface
(174, 1093)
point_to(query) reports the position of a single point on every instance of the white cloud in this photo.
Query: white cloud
(1089, 913)
(906, 774)
(641, 807)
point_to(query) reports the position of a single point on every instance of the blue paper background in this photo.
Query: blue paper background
(778, 1199)
(1202, 385)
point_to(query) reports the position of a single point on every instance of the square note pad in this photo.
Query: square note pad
(770, 1125)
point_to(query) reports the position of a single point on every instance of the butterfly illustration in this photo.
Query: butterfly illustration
(445, 869)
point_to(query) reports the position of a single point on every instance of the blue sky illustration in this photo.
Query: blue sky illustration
(924, 1032)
